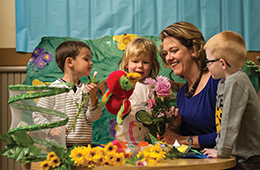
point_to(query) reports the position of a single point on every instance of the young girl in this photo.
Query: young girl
(140, 56)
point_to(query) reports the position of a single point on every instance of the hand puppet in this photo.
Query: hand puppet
(120, 87)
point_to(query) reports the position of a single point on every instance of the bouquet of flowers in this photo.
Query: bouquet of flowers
(160, 97)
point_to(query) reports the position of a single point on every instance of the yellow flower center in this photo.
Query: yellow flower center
(79, 155)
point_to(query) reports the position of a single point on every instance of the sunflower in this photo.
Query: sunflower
(110, 155)
(106, 162)
(110, 147)
(99, 150)
(51, 155)
(78, 155)
(119, 159)
(55, 162)
(45, 165)
(151, 160)
(99, 159)
(156, 148)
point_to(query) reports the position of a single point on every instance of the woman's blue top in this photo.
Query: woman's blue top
(198, 114)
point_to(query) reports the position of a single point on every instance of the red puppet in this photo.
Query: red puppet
(120, 88)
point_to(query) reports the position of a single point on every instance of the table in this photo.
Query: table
(180, 164)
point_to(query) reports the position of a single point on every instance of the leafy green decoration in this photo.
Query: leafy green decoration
(250, 63)
(20, 147)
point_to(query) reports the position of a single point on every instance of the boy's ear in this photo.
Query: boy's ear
(223, 64)
(69, 61)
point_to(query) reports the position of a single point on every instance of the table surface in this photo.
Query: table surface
(182, 164)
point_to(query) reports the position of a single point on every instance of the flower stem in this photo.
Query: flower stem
(77, 115)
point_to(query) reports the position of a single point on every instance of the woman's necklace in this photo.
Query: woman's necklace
(190, 93)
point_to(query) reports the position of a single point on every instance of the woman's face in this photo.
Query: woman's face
(177, 56)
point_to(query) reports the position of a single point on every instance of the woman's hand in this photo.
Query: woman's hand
(174, 112)
(169, 137)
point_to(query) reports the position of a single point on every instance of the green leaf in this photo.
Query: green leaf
(17, 151)
(58, 150)
(63, 167)
(158, 119)
(22, 138)
(21, 154)
(33, 150)
(8, 149)
(153, 129)
(144, 117)
(7, 138)
(153, 139)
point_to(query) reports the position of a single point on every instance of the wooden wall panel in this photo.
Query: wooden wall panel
(8, 76)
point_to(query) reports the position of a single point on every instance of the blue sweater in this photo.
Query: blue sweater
(198, 114)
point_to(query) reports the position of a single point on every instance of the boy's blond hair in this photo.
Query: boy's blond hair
(230, 46)
(138, 48)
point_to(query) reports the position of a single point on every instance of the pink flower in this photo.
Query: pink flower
(160, 114)
(162, 79)
(151, 102)
(151, 83)
(140, 163)
(163, 89)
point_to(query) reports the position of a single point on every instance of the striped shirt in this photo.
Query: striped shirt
(66, 103)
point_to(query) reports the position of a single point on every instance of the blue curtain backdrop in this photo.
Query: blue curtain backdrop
(91, 19)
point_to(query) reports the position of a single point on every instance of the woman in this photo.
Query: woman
(182, 51)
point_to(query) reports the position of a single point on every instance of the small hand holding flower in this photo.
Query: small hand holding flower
(57, 132)
(92, 90)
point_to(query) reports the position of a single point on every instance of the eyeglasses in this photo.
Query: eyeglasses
(207, 62)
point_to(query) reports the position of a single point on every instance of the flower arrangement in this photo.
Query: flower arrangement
(82, 156)
(108, 155)
(160, 98)
(20, 146)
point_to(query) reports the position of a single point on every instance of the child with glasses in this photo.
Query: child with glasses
(237, 105)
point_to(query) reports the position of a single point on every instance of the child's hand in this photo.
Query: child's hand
(56, 132)
(211, 153)
(174, 112)
(92, 90)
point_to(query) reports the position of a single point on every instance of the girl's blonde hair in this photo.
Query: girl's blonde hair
(230, 46)
(138, 48)
(189, 36)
